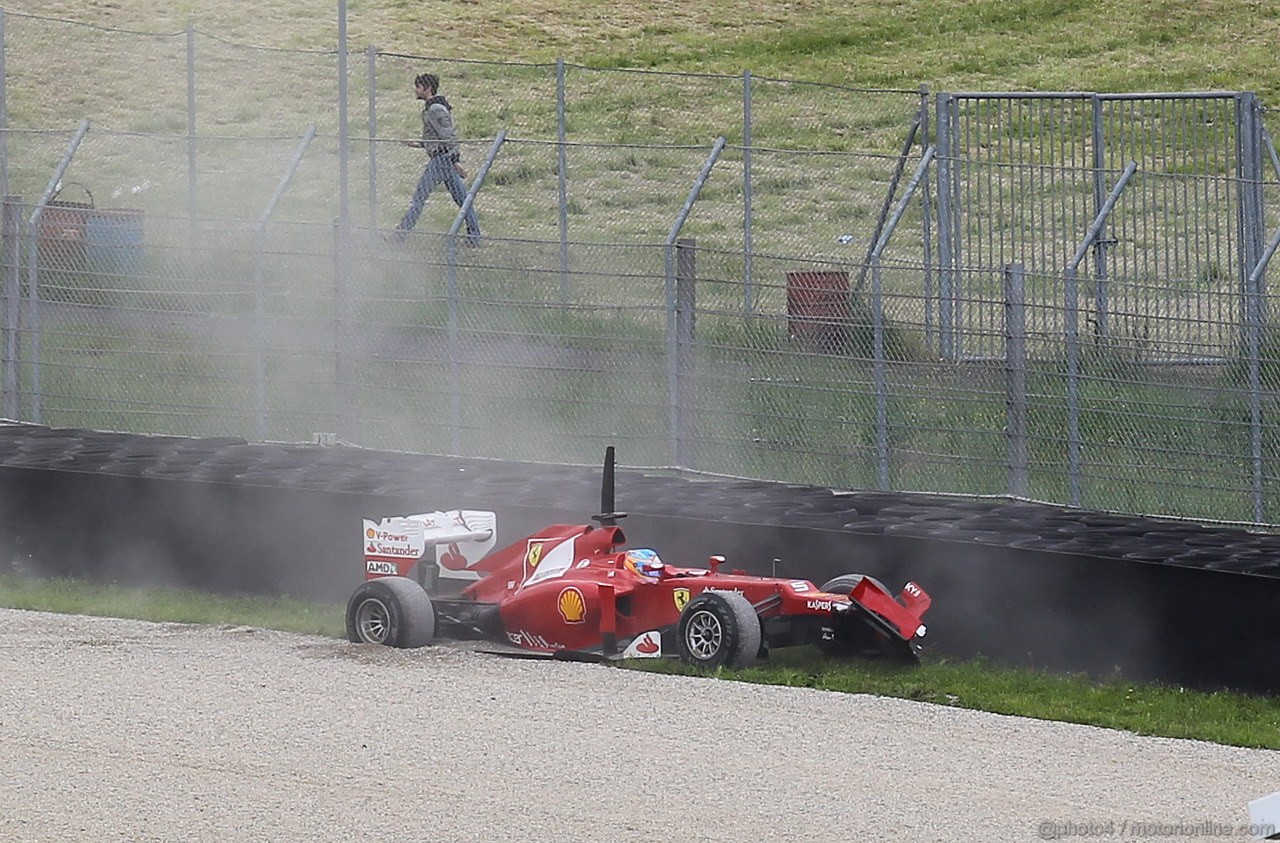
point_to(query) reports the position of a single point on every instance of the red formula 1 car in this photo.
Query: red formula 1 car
(575, 591)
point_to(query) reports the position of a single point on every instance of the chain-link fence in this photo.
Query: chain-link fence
(1054, 296)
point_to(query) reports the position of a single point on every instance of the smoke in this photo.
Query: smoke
(228, 516)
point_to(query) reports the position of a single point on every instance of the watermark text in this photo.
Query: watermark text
(1138, 829)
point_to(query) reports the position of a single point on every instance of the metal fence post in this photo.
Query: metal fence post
(31, 315)
(371, 72)
(259, 333)
(259, 280)
(673, 350)
(1249, 178)
(899, 166)
(748, 245)
(477, 182)
(686, 304)
(879, 362)
(1100, 243)
(1255, 331)
(33, 266)
(1015, 337)
(926, 232)
(946, 225)
(4, 114)
(12, 246)
(1270, 147)
(880, 374)
(453, 343)
(562, 179)
(1071, 326)
(193, 206)
(344, 131)
(342, 377)
(451, 283)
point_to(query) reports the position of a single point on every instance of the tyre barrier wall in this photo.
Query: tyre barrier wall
(1018, 583)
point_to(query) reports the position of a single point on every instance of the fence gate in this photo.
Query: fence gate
(1023, 175)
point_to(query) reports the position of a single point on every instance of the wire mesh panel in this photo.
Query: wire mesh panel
(641, 106)
(624, 192)
(40, 93)
(791, 114)
(823, 204)
(815, 305)
(113, 346)
(487, 97)
(779, 393)
(1027, 175)
(221, 71)
(469, 351)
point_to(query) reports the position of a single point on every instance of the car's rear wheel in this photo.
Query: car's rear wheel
(393, 611)
(719, 629)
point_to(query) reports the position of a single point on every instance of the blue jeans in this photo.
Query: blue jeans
(439, 170)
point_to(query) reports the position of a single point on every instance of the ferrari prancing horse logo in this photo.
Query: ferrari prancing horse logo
(681, 596)
(534, 556)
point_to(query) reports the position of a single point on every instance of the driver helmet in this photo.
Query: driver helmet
(644, 562)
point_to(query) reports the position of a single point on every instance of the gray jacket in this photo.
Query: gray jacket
(439, 137)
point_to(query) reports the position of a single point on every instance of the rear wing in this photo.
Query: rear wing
(394, 545)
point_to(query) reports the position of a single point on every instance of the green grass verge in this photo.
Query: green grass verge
(1169, 711)
(1223, 717)
(171, 605)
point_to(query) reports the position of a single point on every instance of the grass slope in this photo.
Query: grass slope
(1102, 45)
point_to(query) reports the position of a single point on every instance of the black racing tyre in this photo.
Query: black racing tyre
(846, 583)
(719, 629)
(393, 611)
(852, 637)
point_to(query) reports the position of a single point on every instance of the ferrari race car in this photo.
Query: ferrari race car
(576, 592)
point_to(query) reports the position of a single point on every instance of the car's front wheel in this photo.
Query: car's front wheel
(393, 611)
(851, 637)
(846, 583)
(719, 629)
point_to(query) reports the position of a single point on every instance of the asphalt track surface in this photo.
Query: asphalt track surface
(118, 730)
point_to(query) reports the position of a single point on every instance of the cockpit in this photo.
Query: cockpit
(644, 562)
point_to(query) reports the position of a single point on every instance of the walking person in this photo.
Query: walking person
(440, 140)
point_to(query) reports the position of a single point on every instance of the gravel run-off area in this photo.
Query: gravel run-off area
(119, 730)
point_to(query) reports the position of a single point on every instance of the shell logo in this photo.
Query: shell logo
(681, 596)
(534, 556)
(369, 533)
(572, 605)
